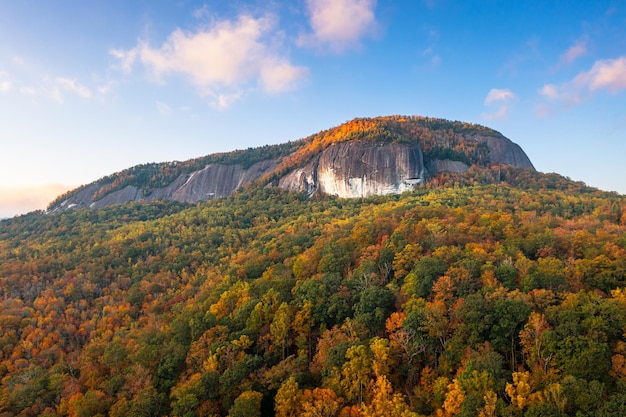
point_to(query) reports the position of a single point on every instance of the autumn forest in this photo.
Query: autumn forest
(497, 292)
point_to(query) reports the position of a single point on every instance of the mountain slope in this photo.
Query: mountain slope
(498, 288)
(360, 158)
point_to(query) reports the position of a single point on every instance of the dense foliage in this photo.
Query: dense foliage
(499, 292)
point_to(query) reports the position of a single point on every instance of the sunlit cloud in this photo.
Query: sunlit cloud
(339, 24)
(574, 52)
(503, 99)
(20, 200)
(607, 74)
(222, 59)
(496, 95)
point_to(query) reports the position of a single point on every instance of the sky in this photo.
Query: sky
(91, 87)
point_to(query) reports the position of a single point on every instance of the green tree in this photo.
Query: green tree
(247, 404)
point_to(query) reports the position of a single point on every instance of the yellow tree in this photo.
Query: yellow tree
(385, 402)
(287, 400)
(279, 329)
(454, 400)
(356, 372)
(532, 341)
(519, 391)
(381, 356)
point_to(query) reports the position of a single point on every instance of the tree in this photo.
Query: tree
(385, 402)
(532, 339)
(279, 329)
(374, 306)
(247, 404)
(90, 404)
(509, 316)
(356, 373)
(520, 390)
(288, 398)
(320, 402)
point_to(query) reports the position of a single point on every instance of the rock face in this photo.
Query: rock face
(447, 165)
(359, 169)
(213, 181)
(388, 161)
(504, 151)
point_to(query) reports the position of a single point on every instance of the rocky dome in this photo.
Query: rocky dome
(360, 158)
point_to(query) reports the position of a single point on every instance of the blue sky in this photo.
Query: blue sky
(90, 87)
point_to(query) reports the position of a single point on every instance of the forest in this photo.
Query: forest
(497, 292)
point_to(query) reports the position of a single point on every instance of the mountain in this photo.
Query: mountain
(363, 157)
(497, 291)
(489, 290)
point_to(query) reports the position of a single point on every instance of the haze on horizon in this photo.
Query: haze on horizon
(91, 88)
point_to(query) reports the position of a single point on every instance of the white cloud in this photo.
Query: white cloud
(224, 101)
(163, 109)
(56, 89)
(32, 81)
(28, 91)
(106, 87)
(62, 84)
(496, 94)
(503, 98)
(550, 91)
(608, 74)
(220, 59)
(126, 59)
(339, 24)
(574, 52)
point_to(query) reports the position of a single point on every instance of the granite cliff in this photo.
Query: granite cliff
(363, 157)
(359, 169)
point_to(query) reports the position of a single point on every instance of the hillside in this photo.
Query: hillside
(497, 291)
(360, 158)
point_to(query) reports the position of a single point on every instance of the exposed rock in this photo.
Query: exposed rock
(359, 169)
(213, 181)
(504, 151)
(447, 165)
(358, 159)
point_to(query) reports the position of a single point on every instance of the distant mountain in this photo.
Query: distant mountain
(360, 158)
